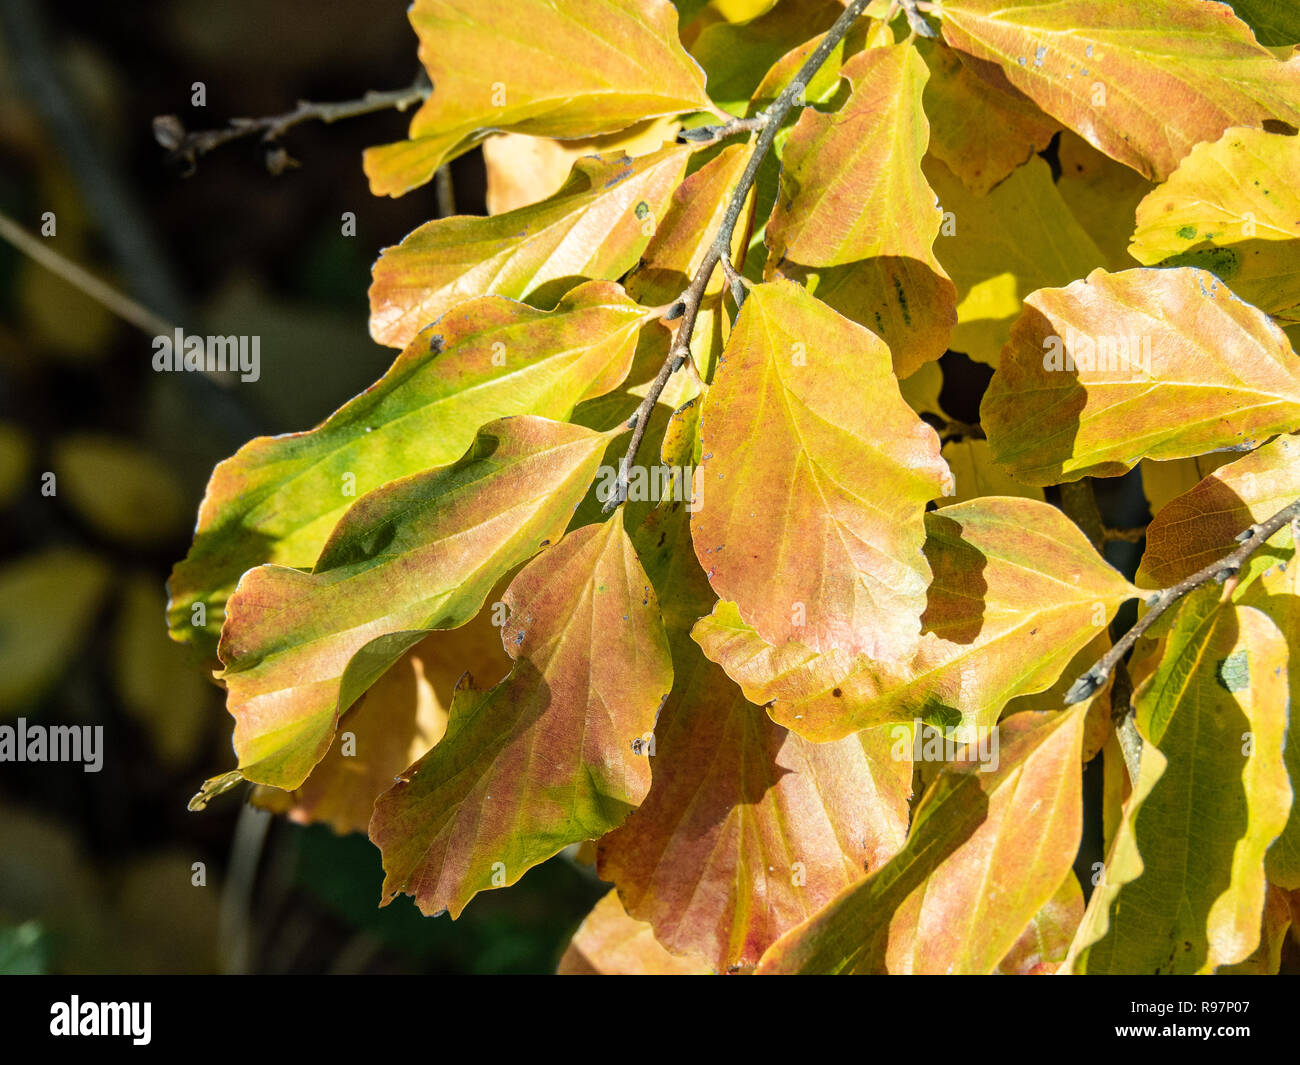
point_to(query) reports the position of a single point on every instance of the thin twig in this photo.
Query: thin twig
(1121, 714)
(188, 147)
(706, 135)
(444, 191)
(120, 304)
(734, 280)
(915, 20)
(768, 123)
(1220, 572)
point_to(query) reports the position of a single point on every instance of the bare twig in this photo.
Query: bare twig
(915, 20)
(706, 135)
(444, 191)
(734, 281)
(188, 147)
(1121, 714)
(120, 304)
(687, 308)
(1224, 570)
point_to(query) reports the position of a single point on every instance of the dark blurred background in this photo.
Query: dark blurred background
(98, 870)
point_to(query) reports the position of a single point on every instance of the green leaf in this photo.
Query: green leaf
(989, 847)
(420, 553)
(1274, 22)
(1158, 364)
(736, 57)
(1183, 886)
(278, 498)
(551, 68)
(553, 754)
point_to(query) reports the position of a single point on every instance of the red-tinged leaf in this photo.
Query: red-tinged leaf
(980, 130)
(395, 722)
(1041, 948)
(1202, 525)
(552, 68)
(801, 479)
(553, 754)
(1159, 364)
(610, 943)
(594, 227)
(988, 849)
(851, 182)
(419, 554)
(1142, 82)
(749, 829)
(1017, 591)
(278, 498)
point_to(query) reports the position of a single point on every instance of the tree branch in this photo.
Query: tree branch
(186, 147)
(1160, 602)
(768, 123)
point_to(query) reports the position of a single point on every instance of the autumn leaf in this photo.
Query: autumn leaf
(398, 719)
(551, 68)
(553, 754)
(1043, 944)
(1183, 885)
(1232, 207)
(278, 498)
(1017, 591)
(1000, 247)
(420, 553)
(1158, 364)
(910, 305)
(594, 227)
(1202, 525)
(737, 54)
(851, 182)
(1109, 70)
(1007, 831)
(747, 828)
(610, 943)
(980, 130)
(793, 474)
